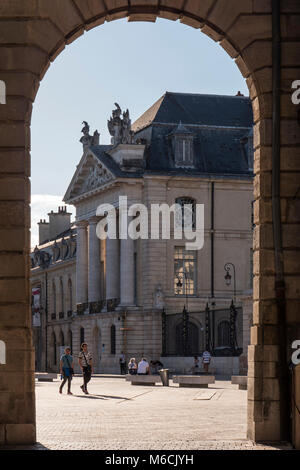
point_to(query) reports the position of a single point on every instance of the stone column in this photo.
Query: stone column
(127, 275)
(82, 264)
(112, 270)
(94, 267)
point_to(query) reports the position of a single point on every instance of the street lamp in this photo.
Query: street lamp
(228, 276)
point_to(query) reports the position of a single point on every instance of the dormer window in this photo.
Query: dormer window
(184, 152)
(183, 146)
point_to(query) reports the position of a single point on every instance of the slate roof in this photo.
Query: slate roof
(220, 125)
(197, 109)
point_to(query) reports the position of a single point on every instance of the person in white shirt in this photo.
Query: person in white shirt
(143, 367)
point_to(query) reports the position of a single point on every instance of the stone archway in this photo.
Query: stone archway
(33, 34)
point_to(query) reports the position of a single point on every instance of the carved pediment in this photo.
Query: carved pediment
(91, 174)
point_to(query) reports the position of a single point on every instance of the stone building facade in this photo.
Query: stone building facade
(263, 39)
(124, 286)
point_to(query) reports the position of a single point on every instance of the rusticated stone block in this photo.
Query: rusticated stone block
(263, 287)
(15, 134)
(16, 109)
(265, 429)
(224, 17)
(262, 7)
(20, 434)
(249, 28)
(41, 33)
(15, 161)
(197, 8)
(263, 211)
(258, 55)
(291, 261)
(194, 23)
(290, 159)
(228, 47)
(15, 239)
(255, 388)
(262, 133)
(292, 311)
(256, 333)
(17, 339)
(263, 185)
(2, 434)
(12, 265)
(263, 262)
(210, 32)
(292, 286)
(13, 289)
(293, 211)
(263, 159)
(254, 410)
(30, 59)
(289, 132)
(14, 189)
(142, 17)
(289, 53)
(265, 312)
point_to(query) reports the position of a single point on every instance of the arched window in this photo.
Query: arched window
(112, 339)
(186, 215)
(224, 333)
(54, 348)
(70, 340)
(81, 336)
(54, 296)
(61, 338)
(70, 309)
(61, 295)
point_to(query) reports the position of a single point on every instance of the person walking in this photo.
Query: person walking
(86, 365)
(122, 362)
(132, 366)
(206, 358)
(66, 370)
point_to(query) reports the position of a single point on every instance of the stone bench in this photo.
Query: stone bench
(240, 380)
(45, 376)
(143, 379)
(200, 381)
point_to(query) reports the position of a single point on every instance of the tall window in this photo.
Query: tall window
(61, 296)
(54, 296)
(81, 336)
(184, 271)
(187, 214)
(224, 333)
(112, 339)
(70, 295)
(54, 348)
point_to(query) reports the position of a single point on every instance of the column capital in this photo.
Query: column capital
(81, 224)
(93, 220)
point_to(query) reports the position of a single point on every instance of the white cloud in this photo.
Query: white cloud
(41, 205)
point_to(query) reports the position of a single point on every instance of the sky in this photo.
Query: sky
(132, 64)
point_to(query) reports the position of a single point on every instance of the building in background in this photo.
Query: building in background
(154, 297)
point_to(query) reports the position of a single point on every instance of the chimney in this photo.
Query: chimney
(43, 231)
(59, 222)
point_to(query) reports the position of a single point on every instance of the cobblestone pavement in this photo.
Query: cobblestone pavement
(119, 416)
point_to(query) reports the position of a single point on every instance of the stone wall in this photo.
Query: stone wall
(33, 34)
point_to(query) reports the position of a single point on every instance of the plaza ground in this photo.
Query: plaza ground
(119, 416)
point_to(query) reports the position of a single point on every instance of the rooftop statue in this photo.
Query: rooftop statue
(87, 140)
(120, 129)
